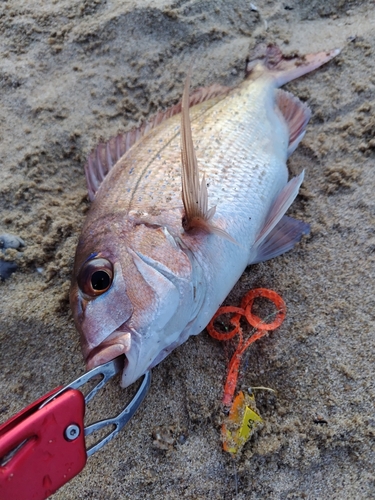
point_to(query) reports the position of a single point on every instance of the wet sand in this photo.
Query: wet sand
(75, 72)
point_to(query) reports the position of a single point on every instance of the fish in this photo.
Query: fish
(181, 206)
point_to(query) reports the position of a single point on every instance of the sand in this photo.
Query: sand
(74, 72)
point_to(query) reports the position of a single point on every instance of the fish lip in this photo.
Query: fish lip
(117, 343)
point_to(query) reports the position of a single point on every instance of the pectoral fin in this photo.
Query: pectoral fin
(280, 233)
(194, 193)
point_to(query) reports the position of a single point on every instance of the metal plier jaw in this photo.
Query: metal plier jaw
(43, 446)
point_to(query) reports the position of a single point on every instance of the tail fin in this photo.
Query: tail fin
(270, 59)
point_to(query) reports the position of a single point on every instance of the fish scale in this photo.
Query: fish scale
(154, 261)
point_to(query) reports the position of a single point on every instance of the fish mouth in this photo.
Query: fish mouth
(116, 344)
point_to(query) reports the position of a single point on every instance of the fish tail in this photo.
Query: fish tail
(269, 59)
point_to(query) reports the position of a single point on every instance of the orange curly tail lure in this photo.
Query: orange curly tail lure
(261, 330)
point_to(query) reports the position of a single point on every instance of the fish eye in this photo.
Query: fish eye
(95, 277)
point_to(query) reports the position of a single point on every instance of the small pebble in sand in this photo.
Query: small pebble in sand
(8, 240)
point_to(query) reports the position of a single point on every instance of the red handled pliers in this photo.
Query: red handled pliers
(43, 446)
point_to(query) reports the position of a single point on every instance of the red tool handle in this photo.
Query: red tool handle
(42, 448)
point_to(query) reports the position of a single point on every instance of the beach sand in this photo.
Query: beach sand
(76, 72)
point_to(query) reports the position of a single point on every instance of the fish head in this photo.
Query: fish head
(131, 294)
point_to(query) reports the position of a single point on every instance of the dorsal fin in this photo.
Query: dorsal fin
(296, 114)
(194, 194)
(107, 154)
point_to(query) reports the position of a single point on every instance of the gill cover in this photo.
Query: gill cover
(157, 329)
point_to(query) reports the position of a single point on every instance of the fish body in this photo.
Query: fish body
(143, 280)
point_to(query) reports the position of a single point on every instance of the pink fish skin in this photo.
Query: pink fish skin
(180, 207)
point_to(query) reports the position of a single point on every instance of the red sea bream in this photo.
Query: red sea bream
(181, 207)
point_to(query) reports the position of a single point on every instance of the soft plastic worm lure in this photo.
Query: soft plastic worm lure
(261, 328)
